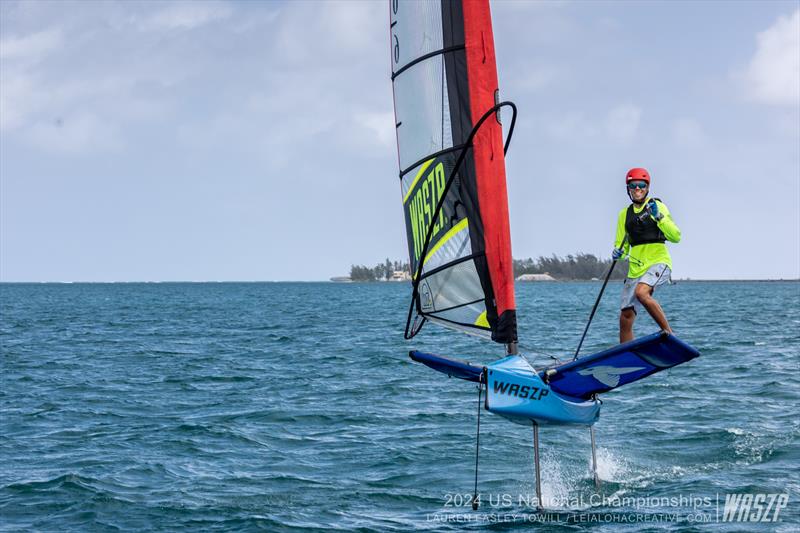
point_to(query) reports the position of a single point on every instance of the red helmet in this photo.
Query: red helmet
(637, 174)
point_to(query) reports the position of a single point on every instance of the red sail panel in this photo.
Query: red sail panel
(488, 152)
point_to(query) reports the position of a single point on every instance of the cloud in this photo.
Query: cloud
(95, 71)
(773, 75)
(75, 134)
(532, 7)
(571, 126)
(537, 78)
(380, 125)
(688, 132)
(263, 80)
(323, 34)
(20, 88)
(622, 123)
(186, 16)
(32, 47)
(15, 99)
(69, 116)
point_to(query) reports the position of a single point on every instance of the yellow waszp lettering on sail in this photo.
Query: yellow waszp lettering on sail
(421, 200)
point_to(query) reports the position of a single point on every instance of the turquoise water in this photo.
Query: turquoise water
(293, 406)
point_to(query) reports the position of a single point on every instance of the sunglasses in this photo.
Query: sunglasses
(637, 185)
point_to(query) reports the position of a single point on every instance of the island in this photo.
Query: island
(573, 267)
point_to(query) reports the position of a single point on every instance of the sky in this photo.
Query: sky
(213, 140)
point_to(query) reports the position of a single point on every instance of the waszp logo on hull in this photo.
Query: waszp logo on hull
(525, 392)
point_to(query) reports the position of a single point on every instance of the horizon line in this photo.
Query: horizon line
(67, 282)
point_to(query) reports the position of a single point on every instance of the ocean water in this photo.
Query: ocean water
(294, 406)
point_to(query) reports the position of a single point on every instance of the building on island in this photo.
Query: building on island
(536, 277)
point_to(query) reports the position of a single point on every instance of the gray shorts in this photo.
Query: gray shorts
(656, 275)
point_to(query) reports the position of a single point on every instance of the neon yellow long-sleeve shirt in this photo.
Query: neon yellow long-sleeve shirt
(644, 256)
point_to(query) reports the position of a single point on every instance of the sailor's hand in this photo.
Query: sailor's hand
(616, 254)
(652, 208)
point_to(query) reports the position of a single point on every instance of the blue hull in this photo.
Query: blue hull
(516, 392)
(564, 394)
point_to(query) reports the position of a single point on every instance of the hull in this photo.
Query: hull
(516, 392)
(564, 394)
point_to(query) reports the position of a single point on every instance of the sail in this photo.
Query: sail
(452, 165)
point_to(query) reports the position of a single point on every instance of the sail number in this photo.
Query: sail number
(422, 206)
(395, 39)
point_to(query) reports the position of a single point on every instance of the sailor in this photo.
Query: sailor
(648, 225)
